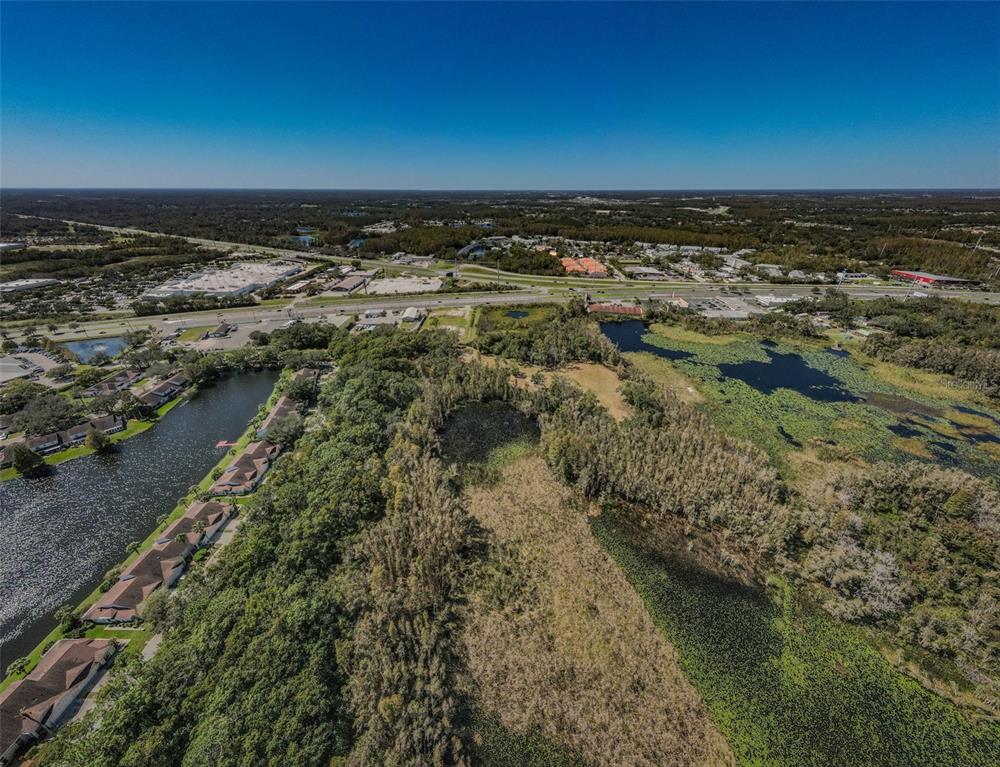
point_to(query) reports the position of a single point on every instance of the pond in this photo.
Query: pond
(788, 371)
(61, 533)
(89, 348)
(517, 314)
(628, 337)
(306, 240)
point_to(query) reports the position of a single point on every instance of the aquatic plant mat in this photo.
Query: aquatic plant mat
(786, 684)
(827, 403)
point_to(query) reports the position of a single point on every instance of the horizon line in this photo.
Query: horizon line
(508, 190)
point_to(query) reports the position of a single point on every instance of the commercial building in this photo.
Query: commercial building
(236, 280)
(925, 278)
(767, 301)
(616, 308)
(645, 273)
(348, 284)
(584, 267)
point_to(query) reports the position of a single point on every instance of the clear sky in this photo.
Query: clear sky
(500, 96)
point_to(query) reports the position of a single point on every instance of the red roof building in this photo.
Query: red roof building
(630, 309)
(924, 278)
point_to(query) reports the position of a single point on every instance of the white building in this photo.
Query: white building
(235, 280)
(18, 286)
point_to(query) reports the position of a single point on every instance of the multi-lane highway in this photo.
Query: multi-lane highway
(530, 290)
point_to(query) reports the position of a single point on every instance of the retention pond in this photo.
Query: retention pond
(59, 534)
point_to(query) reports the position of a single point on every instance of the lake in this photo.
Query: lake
(781, 370)
(89, 348)
(59, 534)
(627, 336)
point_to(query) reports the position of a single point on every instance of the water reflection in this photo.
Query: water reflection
(89, 348)
(59, 534)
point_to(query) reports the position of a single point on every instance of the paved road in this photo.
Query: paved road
(532, 290)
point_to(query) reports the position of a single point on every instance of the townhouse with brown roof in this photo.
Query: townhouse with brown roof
(284, 407)
(160, 566)
(200, 523)
(165, 391)
(75, 435)
(33, 706)
(247, 471)
(305, 374)
(113, 384)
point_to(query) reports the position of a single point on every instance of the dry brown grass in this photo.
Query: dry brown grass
(558, 639)
(913, 446)
(604, 383)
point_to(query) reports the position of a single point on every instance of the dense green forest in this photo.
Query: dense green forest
(813, 232)
(353, 567)
(955, 337)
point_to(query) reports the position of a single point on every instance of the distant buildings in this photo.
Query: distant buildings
(925, 278)
(19, 286)
(236, 280)
(645, 273)
(584, 267)
(348, 284)
(219, 331)
(616, 308)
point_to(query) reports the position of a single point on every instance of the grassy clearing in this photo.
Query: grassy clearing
(457, 320)
(561, 651)
(605, 385)
(934, 385)
(785, 683)
(497, 746)
(685, 336)
(194, 334)
(667, 375)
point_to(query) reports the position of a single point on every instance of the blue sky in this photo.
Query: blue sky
(500, 96)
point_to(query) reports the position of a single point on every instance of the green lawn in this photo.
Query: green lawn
(194, 334)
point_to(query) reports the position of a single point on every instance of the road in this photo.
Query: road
(532, 290)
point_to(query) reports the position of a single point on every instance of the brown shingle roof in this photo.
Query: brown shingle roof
(61, 671)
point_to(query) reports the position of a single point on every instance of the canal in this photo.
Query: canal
(59, 534)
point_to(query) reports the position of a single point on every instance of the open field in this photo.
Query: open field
(561, 647)
(603, 383)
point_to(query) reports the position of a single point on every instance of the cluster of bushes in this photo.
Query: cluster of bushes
(551, 338)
